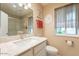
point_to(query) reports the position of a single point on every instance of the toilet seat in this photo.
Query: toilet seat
(51, 51)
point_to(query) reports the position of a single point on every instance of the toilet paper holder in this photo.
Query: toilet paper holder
(70, 43)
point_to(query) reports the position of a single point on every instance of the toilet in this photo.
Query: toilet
(51, 51)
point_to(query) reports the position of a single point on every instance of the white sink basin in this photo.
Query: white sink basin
(25, 41)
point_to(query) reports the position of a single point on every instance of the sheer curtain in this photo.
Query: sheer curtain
(66, 19)
(71, 19)
(60, 20)
(30, 25)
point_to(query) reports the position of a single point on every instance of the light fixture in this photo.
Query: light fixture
(29, 5)
(25, 7)
(14, 5)
(20, 4)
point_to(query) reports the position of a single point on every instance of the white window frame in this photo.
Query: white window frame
(76, 24)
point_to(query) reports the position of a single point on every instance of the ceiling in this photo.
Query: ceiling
(45, 4)
(15, 12)
(52, 4)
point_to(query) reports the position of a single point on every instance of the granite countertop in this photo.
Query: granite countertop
(16, 47)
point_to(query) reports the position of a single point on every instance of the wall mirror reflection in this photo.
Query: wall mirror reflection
(14, 18)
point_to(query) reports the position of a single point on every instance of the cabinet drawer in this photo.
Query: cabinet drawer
(39, 47)
(42, 52)
(28, 53)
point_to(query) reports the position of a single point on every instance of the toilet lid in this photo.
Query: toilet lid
(51, 49)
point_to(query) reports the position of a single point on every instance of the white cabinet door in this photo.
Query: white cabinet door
(27, 53)
(40, 49)
(42, 52)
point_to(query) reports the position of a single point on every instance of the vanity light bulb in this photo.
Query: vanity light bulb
(14, 6)
(25, 7)
(20, 4)
(29, 5)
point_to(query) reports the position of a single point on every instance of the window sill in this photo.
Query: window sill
(64, 35)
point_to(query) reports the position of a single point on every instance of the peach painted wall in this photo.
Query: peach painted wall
(37, 11)
(58, 41)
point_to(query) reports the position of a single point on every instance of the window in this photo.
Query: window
(66, 20)
(30, 25)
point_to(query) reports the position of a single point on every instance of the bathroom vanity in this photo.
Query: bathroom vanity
(30, 46)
